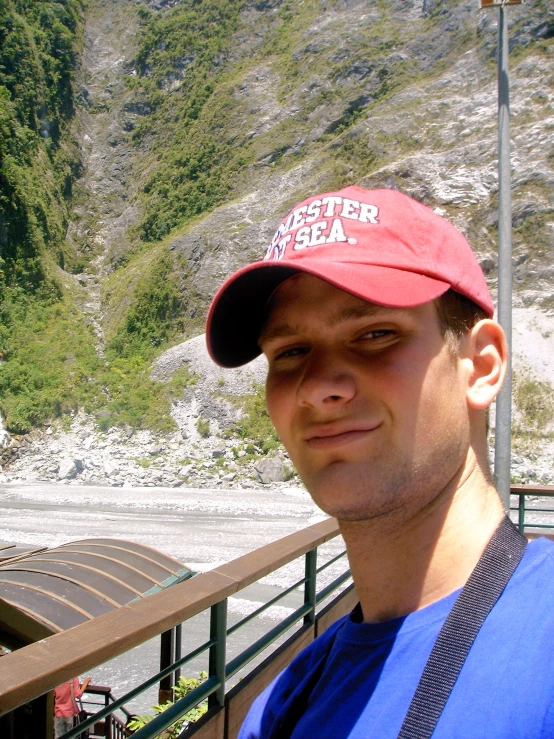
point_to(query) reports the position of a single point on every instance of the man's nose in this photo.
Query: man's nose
(325, 383)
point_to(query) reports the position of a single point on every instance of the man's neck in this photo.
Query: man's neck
(400, 566)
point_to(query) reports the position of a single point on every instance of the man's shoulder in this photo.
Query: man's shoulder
(541, 545)
(530, 591)
(537, 562)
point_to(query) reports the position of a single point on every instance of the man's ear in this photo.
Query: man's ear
(486, 352)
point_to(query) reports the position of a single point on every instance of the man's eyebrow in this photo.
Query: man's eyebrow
(360, 311)
(282, 330)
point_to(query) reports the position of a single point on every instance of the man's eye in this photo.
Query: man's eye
(295, 351)
(378, 333)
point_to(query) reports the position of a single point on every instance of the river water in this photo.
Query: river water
(201, 528)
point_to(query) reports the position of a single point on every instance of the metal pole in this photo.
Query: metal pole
(167, 650)
(217, 658)
(503, 426)
(178, 649)
(310, 569)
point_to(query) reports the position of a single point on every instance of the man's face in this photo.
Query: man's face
(369, 401)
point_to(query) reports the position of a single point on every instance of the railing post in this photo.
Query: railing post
(167, 645)
(218, 631)
(310, 585)
(108, 718)
(521, 512)
(178, 649)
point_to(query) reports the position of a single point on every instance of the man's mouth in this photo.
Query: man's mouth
(332, 435)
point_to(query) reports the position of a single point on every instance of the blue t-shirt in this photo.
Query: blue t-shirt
(357, 679)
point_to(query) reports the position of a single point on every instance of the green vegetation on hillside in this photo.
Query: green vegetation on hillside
(39, 40)
(221, 95)
(46, 350)
(534, 400)
(255, 424)
(49, 362)
(189, 65)
(182, 50)
(194, 139)
(155, 315)
(49, 367)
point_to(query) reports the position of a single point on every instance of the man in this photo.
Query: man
(375, 319)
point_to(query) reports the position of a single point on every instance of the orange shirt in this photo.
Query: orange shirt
(64, 704)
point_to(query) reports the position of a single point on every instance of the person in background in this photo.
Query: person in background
(66, 706)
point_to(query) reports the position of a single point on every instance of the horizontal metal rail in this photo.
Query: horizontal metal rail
(331, 562)
(332, 586)
(265, 607)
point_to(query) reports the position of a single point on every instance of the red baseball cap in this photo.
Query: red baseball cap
(379, 245)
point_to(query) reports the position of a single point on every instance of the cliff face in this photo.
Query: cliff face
(200, 124)
(283, 98)
(391, 95)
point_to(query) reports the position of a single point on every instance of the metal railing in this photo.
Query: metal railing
(527, 509)
(213, 688)
(112, 727)
(37, 668)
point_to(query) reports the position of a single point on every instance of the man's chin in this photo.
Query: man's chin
(347, 491)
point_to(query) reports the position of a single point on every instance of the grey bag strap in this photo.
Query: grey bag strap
(485, 585)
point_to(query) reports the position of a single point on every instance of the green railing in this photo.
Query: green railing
(213, 688)
(526, 508)
(32, 670)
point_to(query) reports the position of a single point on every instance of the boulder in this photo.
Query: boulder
(270, 469)
(110, 467)
(68, 470)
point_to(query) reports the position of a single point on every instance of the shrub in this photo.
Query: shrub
(182, 689)
(534, 399)
(255, 424)
(203, 427)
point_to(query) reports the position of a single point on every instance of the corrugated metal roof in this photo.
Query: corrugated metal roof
(8, 550)
(50, 590)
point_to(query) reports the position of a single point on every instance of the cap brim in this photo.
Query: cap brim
(237, 312)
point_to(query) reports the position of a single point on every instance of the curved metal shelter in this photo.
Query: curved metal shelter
(51, 590)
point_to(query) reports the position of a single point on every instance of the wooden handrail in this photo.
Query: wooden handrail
(518, 489)
(40, 667)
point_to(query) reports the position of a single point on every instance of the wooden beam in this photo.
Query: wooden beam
(23, 627)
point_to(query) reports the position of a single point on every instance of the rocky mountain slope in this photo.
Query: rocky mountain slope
(198, 127)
